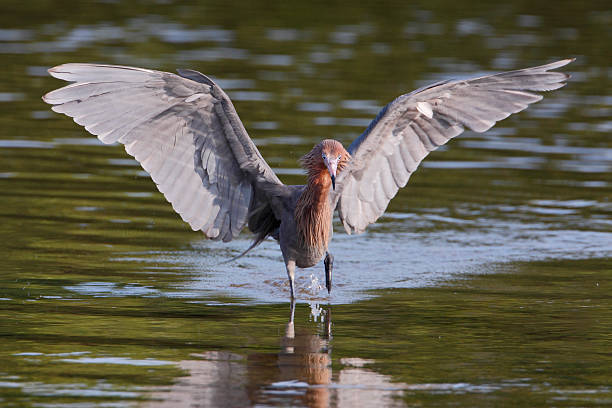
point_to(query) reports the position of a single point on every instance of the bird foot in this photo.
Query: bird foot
(329, 265)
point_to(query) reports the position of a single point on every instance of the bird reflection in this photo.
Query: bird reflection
(305, 356)
(303, 364)
(298, 373)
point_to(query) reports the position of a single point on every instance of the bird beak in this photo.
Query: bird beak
(332, 167)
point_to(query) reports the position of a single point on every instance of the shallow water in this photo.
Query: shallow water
(486, 283)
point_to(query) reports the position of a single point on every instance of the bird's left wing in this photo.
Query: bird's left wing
(407, 129)
(184, 131)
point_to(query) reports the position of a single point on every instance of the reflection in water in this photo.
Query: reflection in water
(215, 380)
(305, 358)
(300, 374)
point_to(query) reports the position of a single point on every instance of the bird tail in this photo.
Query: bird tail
(264, 224)
(258, 240)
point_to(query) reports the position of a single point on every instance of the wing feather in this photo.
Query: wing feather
(185, 133)
(398, 169)
(413, 125)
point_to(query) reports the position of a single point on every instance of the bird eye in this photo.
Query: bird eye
(323, 155)
(339, 156)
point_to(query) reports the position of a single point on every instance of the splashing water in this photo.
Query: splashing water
(315, 285)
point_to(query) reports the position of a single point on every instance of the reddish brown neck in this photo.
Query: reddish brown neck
(319, 181)
(312, 213)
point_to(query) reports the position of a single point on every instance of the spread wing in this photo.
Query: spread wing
(185, 133)
(407, 129)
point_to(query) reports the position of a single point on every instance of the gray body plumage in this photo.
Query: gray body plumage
(185, 132)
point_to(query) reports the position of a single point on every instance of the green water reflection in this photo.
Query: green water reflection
(538, 334)
(487, 283)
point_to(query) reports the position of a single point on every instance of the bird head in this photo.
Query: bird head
(331, 159)
(330, 156)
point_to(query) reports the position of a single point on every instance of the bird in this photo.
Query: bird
(184, 131)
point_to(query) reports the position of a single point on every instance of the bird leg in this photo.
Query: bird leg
(329, 265)
(290, 265)
(328, 323)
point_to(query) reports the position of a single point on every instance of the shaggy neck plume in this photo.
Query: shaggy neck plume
(313, 212)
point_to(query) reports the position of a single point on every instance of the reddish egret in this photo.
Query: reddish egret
(185, 132)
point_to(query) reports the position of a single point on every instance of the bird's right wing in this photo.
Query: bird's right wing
(185, 133)
(407, 129)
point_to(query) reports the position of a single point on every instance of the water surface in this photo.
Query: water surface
(486, 283)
